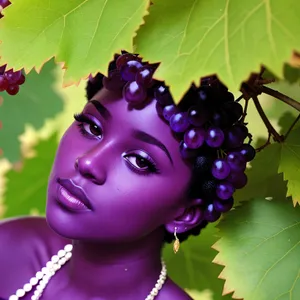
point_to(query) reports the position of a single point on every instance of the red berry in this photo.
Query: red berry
(12, 89)
(3, 83)
(21, 80)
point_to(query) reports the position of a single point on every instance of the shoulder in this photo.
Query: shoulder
(27, 243)
(173, 291)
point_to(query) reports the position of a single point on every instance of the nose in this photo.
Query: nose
(92, 165)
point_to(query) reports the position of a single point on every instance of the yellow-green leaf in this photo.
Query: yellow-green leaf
(82, 34)
(229, 37)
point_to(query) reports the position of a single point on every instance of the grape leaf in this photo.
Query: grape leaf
(192, 267)
(263, 177)
(82, 34)
(26, 189)
(260, 249)
(36, 101)
(292, 74)
(290, 164)
(193, 38)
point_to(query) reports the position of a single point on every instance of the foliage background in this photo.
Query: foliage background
(257, 245)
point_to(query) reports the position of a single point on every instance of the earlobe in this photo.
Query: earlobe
(191, 217)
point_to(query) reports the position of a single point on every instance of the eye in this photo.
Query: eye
(92, 129)
(88, 127)
(141, 163)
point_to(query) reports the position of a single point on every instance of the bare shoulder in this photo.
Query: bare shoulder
(27, 243)
(173, 291)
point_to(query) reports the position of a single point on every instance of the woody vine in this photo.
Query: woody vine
(251, 47)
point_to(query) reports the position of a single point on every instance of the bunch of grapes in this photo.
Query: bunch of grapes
(10, 81)
(208, 123)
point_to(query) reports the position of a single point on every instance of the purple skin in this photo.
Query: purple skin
(119, 239)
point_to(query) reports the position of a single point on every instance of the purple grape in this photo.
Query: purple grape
(224, 190)
(12, 76)
(228, 97)
(179, 122)
(130, 69)
(199, 202)
(238, 179)
(234, 111)
(21, 80)
(220, 119)
(220, 169)
(211, 214)
(185, 152)
(194, 138)
(144, 76)
(169, 111)
(163, 96)
(4, 3)
(12, 89)
(236, 161)
(247, 151)
(114, 81)
(134, 93)
(214, 137)
(123, 59)
(197, 116)
(223, 206)
(235, 137)
(2, 69)
(3, 83)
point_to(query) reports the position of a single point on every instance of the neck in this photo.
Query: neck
(115, 270)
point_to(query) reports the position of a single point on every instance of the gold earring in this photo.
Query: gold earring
(176, 244)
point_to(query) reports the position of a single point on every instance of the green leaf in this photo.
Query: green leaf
(291, 74)
(82, 34)
(27, 189)
(290, 164)
(192, 266)
(193, 38)
(36, 101)
(263, 177)
(260, 249)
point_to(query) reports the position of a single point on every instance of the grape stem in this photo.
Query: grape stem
(291, 102)
(271, 129)
(291, 127)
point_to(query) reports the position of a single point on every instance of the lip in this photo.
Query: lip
(72, 196)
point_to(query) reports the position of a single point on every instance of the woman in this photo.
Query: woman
(118, 190)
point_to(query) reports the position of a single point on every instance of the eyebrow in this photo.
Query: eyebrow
(147, 138)
(101, 109)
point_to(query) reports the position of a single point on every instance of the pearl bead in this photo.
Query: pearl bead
(55, 258)
(68, 248)
(27, 287)
(20, 293)
(61, 253)
(33, 281)
(13, 297)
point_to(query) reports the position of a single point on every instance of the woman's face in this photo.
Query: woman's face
(127, 164)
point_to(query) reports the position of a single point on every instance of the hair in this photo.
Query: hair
(203, 184)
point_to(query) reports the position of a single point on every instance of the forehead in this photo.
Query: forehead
(125, 118)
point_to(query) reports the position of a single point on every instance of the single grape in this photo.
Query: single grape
(202, 165)
(12, 89)
(236, 161)
(220, 119)
(4, 3)
(21, 80)
(130, 69)
(134, 93)
(199, 202)
(214, 137)
(247, 151)
(114, 81)
(144, 76)
(235, 137)
(123, 59)
(194, 138)
(12, 76)
(3, 83)
(234, 111)
(223, 206)
(169, 111)
(206, 96)
(186, 152)
(163, 96)
(197, 116)
(179, 122)
(211, 214)
(238, 179)
(2, 69)
(224, 190)
(220, 169)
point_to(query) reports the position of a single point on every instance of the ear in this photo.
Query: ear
(190, 218)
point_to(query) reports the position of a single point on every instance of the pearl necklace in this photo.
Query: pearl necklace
(42, 277)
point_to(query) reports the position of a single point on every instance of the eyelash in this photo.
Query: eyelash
(152, 168)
